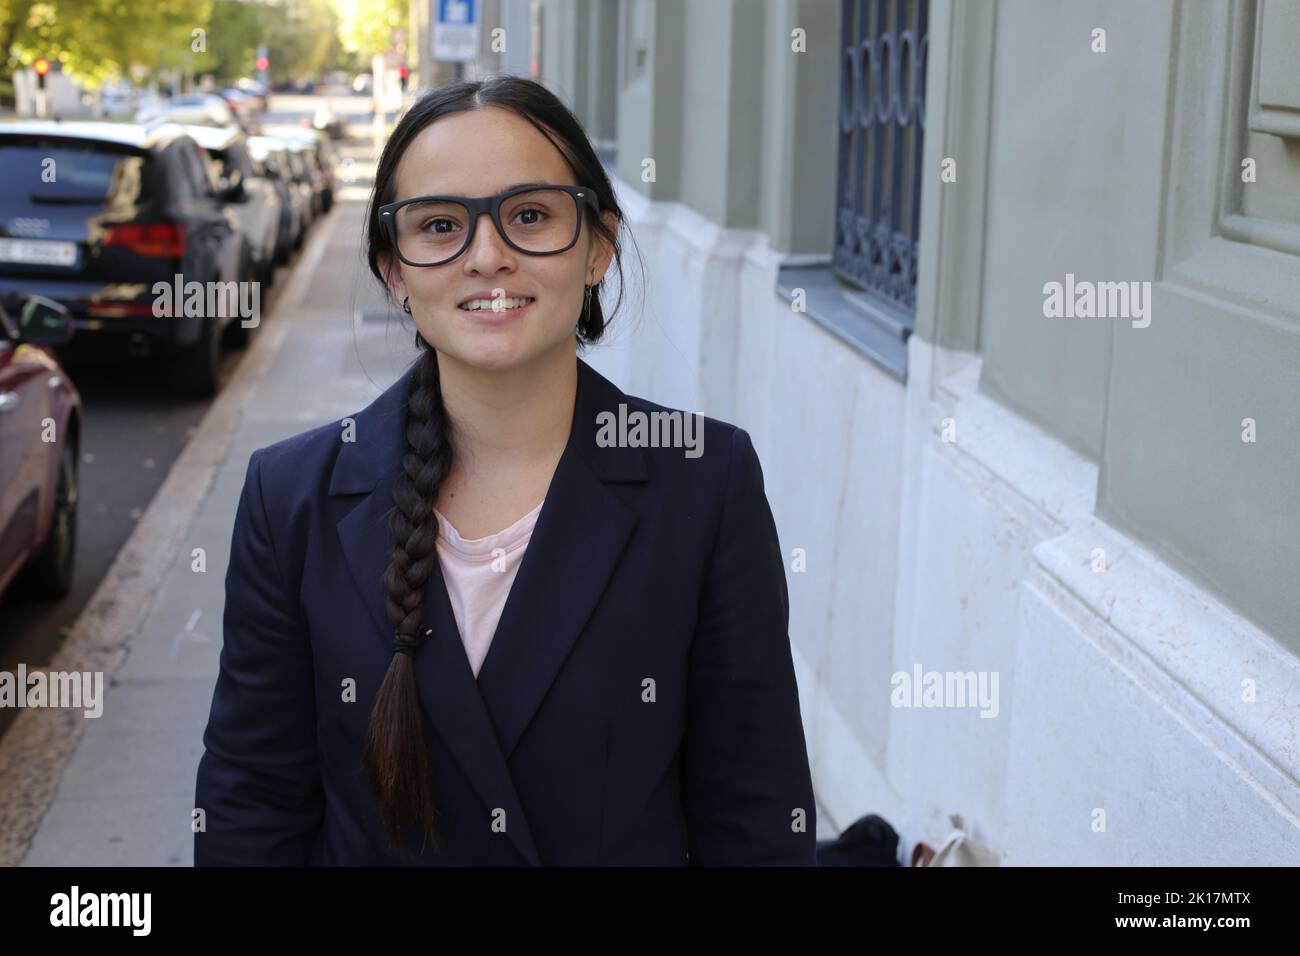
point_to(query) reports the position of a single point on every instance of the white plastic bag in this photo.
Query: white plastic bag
(959, 849)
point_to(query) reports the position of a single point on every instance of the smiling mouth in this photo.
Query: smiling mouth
(495, 305)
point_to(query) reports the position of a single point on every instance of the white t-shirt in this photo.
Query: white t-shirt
(479, 573)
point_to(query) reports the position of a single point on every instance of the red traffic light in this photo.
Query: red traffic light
(263, 63)
(41, 66)
(403, 72)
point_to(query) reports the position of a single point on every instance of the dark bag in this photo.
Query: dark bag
(869, 841)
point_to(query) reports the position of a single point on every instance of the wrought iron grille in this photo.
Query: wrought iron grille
(881, 129)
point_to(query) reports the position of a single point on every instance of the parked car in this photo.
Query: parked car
(306, 155)
(305, 177)
(322, 160)
(129, 206)
(243, 108)
(244, 104)
(203, 109)
(255, 89)
(253, 198)
(118, 100)
(148, 99)
(295, 190)
(38, 477)
(328, 122)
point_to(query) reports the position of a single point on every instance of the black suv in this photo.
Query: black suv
(101, 216)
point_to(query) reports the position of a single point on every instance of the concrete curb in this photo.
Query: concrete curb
(37, 747)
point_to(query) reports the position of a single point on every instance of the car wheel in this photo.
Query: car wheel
(236, 335)
(193, 370)
(50, 572)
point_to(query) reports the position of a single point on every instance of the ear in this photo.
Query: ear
(602, 250)
(392, 273)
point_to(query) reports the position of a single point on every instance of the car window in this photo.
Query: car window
(192, 157)
(40, 170)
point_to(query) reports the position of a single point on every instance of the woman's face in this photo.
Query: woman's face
(481, 153)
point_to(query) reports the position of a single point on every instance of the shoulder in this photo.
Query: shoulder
(687, 442)
(705, 469)
(306, 454)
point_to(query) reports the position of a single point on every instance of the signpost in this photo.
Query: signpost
(456, 31)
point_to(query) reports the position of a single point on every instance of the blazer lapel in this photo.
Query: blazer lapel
(579, 536)
(575, 546)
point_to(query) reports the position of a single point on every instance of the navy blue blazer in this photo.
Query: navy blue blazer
(637, 705)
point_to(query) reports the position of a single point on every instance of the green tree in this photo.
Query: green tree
(366, 26)
(98, 39)
(234, 32)
(302, 39)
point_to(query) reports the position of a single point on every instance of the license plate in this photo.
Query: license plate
(40, 252)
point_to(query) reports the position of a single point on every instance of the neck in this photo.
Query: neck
(510, 419)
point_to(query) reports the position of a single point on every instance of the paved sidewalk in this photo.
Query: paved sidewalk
(124, 795)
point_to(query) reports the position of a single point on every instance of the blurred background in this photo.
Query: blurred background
(1042, 562)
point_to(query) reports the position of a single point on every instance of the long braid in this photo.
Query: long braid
(396, 754)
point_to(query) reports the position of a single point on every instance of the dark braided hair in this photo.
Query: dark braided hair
(396, 757)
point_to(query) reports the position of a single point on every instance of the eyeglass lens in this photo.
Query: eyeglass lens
(537, 221)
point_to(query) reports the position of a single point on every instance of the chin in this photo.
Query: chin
(505, 347)
(495, 353)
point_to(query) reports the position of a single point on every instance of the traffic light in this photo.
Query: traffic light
(263, 63)
(41, 66)
(402, 73)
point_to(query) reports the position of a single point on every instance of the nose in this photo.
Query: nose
(487, 249)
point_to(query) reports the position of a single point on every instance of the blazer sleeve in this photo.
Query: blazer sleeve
(258, 779)
(747, 788)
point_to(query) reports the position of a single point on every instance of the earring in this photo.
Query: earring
(406, 307)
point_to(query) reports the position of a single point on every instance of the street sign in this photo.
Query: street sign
(455, 31)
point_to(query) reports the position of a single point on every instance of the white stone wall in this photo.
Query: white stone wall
(1140, 721)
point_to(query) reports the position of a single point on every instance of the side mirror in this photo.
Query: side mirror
(43, 321)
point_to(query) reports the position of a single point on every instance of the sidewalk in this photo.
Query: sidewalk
(119, 789)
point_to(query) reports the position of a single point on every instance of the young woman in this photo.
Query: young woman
(494, 623)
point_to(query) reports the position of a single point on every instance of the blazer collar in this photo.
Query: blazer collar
(576, 544)
(377, 452)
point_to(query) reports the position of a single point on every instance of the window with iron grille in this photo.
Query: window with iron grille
(881, 128)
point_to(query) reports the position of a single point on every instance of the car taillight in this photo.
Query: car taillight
(115, 310)
(157, 240)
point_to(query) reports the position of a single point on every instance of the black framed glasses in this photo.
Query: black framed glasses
(537, 219)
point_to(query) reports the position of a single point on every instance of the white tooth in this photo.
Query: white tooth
(477, 305)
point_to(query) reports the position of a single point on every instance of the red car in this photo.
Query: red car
(40, 425)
